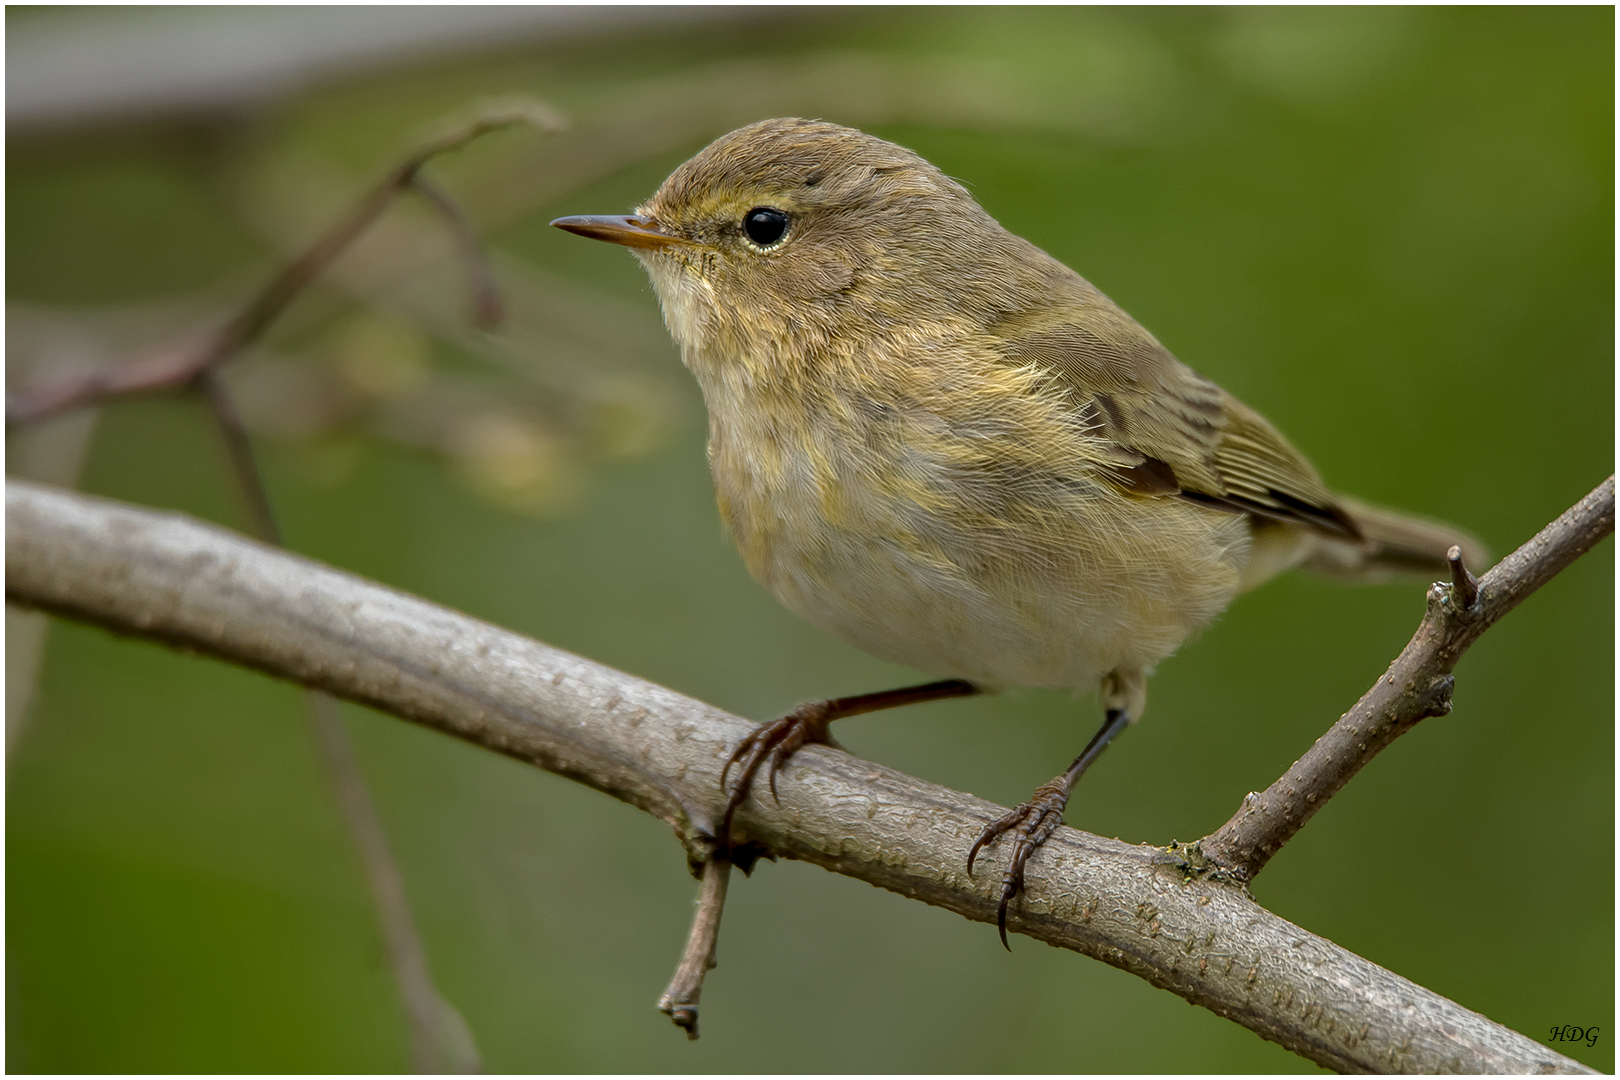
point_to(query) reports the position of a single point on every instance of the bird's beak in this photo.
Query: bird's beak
(633, 231)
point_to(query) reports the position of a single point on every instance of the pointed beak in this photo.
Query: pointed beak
(632, 231)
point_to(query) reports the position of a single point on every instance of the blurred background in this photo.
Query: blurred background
(1389, 229)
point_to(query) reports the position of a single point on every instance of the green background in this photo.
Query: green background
(1390, 230)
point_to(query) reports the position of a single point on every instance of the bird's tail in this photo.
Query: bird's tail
(1396, 543)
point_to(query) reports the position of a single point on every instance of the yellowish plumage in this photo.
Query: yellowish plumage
(933, 440)
(936, 442)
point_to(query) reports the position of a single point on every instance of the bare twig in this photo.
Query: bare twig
(53, 453)
(1139, 908)
(1417, 685)
(440, 1039)
(487, 309)
(239, 454)
(680, 1000)
(176, 367)
(441, 1042)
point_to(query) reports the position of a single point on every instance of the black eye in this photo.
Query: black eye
(765, 225)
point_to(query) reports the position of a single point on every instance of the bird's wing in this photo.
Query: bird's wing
(1170, 429)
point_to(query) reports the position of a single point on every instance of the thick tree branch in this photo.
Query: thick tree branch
(1139, 908)
(1417, 685)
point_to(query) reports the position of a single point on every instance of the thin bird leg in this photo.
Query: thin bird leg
(778, 739)
(1037, 819)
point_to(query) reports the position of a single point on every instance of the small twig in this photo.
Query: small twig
(161, 370)
(440, 1039)
(1417, 685)
(488, 309)
(239, 452)
(178, 367)
(680, 1000)
(1464, 586)
(53, 453)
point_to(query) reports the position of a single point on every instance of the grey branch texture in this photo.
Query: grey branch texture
(1139, 908)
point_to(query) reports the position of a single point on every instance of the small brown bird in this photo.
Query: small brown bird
(936, 442)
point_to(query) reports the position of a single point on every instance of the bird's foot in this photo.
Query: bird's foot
(776, 741)
(1031, 824)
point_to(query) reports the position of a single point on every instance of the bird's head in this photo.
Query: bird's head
(799, 228)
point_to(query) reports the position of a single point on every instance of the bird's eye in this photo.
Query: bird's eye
(765, 225)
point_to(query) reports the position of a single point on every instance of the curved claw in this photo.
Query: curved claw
(778, 754)
(995, 829)
(1012, 883)
(1032, 823)
(776, 740)
(749, 752)
(780, 738)
(743, 746)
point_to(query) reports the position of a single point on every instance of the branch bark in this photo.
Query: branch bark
(1416, 686)
(680, 999)
(1142, 909)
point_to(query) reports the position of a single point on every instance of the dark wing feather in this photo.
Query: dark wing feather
(1171, 430)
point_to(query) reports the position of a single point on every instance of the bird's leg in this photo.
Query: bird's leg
(1035, 821)
(778, 739)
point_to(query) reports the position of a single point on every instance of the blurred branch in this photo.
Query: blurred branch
(440, 1040)
(52, 452)
(1416, 686)
(239, 454)
(183, 365)
(1140, 908)
(487, 309)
